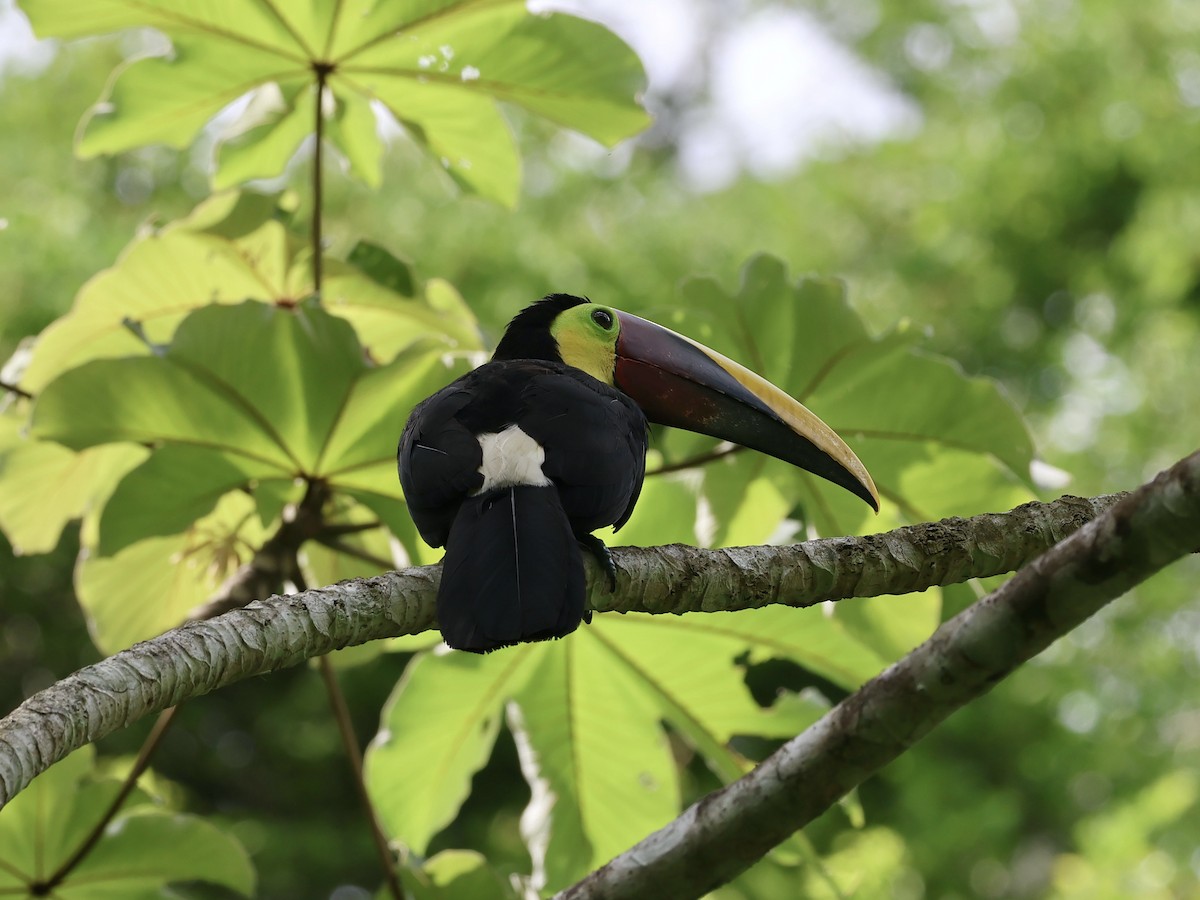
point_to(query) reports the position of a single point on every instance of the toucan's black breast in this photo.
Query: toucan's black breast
(594, 438)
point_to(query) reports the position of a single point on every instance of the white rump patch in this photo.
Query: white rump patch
(510, 457)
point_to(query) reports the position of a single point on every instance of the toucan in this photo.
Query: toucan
(514, 465)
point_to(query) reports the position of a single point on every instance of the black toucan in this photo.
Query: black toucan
(512, 466)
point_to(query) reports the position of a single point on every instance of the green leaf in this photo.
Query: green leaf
(436, 731)
(44, 485)
(694, 674)
(438, 67)
(323, 565)
(141, 851)
(161, 100)
(891, 626)
(177, 485)
(599, 766)
(457, 875)
(372, 416)
(264, 148)
(937, 443)
(586, 721)
(275, 390)
(382, 267)
(665, 514)
(152, 585)
(232, 248)
(806, 636)
(862, 863)
(957, 597)
(389, 324)
(354, 130)
(245, 399)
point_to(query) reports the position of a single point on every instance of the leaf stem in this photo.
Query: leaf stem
(322, 71)
(341, 713)
(13, 389)
(718, 452)
(341, 547)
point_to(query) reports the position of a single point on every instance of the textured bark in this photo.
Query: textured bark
(282, 631)
(731, 829)
(678, 579)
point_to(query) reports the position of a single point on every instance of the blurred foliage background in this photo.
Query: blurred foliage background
(1033, 198)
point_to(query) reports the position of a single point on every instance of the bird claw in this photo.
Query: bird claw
(603, 555)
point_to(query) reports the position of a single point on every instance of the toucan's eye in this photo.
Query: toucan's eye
(603, 318)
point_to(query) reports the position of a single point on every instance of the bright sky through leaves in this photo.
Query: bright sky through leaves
(834, 96)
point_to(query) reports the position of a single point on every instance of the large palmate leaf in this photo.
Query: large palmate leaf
(236, 247)
(141, 851)
(586, 714)
(437, 730)
(243, 394)
(937, 443)
(438, 66)
(242, 405)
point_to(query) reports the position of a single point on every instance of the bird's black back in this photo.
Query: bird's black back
(594, 438)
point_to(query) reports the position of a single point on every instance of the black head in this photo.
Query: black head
(528, 334)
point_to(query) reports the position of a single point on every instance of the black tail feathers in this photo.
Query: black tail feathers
(512, 572)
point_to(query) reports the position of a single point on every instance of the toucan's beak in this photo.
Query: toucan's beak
(683, 384)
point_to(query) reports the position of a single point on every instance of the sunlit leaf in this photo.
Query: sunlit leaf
(438, 67)
(263, 149)
(177, 485)
(665, 514)
(152, 585)
(144, 851)
(891, 626)
(586, 717)
(231, 248)
(694, 674)
(382, 267)
(44, 485)
(285, 388)
(369, 552)
(861, 864)
(937, 443)
(599, 766)
(436, 731)
(809, 637)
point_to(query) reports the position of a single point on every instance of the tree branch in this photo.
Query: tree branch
(731, 829)
(283, 631)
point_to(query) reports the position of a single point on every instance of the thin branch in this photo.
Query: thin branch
(341, 714)
(720, 451)
(349, 528)
(269, 635)
(13, 389)
(322, 70)
(355, 552)
(345, 726)
(731, 829)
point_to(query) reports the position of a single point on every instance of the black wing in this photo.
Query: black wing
(595, 443)
(439, 461)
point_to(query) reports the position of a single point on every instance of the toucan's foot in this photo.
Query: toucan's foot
(603, 555)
